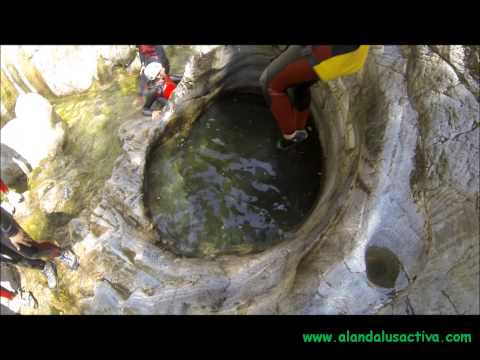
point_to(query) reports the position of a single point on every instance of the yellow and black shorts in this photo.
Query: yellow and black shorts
(333, 61)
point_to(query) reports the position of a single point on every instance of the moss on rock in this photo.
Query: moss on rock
(91, 148)
(34, 77)
(8, 94)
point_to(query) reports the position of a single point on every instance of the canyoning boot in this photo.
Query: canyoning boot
(300, 136)
(147, 112)
(50, 272)
(69, 258)
(284, 144)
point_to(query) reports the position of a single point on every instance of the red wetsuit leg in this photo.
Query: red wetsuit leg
(283, 112)
(287, 117)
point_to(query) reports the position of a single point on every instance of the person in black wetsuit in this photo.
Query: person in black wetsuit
(18, 248)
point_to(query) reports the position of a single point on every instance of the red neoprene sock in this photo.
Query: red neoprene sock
(4, 293)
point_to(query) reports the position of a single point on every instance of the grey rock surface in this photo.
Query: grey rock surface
(36, 132)
(395, 229)
(54, 71)
(14, 167)
(416, 194)
(400, 200)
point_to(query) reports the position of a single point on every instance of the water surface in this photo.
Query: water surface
(226, 188)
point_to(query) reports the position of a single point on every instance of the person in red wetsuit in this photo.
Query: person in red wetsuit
(287, 80)
(149, 54)
(160, 88)
(18, 248)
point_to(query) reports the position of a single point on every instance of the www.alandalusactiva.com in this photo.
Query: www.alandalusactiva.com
(386, 337)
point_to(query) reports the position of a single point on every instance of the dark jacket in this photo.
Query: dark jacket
(8, 228)
(151, 53)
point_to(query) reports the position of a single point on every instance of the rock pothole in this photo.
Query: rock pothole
(226, 187)
(383, 266)
(381, 217)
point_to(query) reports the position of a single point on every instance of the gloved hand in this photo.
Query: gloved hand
(156, 115)
(14, 198)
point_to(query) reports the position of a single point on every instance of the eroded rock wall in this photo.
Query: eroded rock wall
(416, 193)
(54, 71)
(400, 141)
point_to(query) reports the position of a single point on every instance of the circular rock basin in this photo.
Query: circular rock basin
(383, 266)
(226, 188)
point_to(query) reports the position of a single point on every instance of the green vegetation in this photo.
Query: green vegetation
(9, 95)
(85, 164)
(92, 120)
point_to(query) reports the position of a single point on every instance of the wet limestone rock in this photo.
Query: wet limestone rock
(54, 71)
(36, 132)
(13, 166)
(415, 202)
(395, 229)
